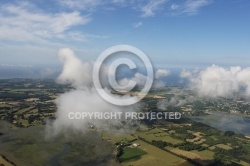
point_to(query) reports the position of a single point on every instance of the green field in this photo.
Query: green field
(204, 157)
(6, 105)
(29, 147)
(24, 90)
(23, 110)
(206, 153)
(117, 137)
(155, 156)
(131, 153)
(158, 136)
(222, 146)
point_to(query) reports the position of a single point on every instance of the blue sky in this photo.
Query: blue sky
(174, 33)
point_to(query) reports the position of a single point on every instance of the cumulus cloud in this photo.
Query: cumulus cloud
(175, 101)
(216, 81)
(74, 72)
(141, 79)
(161, 73)
(83, 98)
(127, 84)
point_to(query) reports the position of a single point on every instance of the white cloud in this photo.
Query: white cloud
(119, 1)
(75, 72)
(216, 81)
(175, 101)
(189, 7)
(151, 7)
(138, 24)
(83, 99)
(25, 22)
(81, 4)
(174, 6)
(141, 79)
(16, 65)
(192, 6)
(161, 73)
(148, 8)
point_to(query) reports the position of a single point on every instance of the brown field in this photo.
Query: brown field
(222, 146)
(203, 158)
(5, 162)
(158, 136)
(117, 137)
(198, 138)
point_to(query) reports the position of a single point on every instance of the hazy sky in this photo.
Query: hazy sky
(174, 33)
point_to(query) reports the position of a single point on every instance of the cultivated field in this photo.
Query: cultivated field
(4, 162)
(155, 156)
(131, 153)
